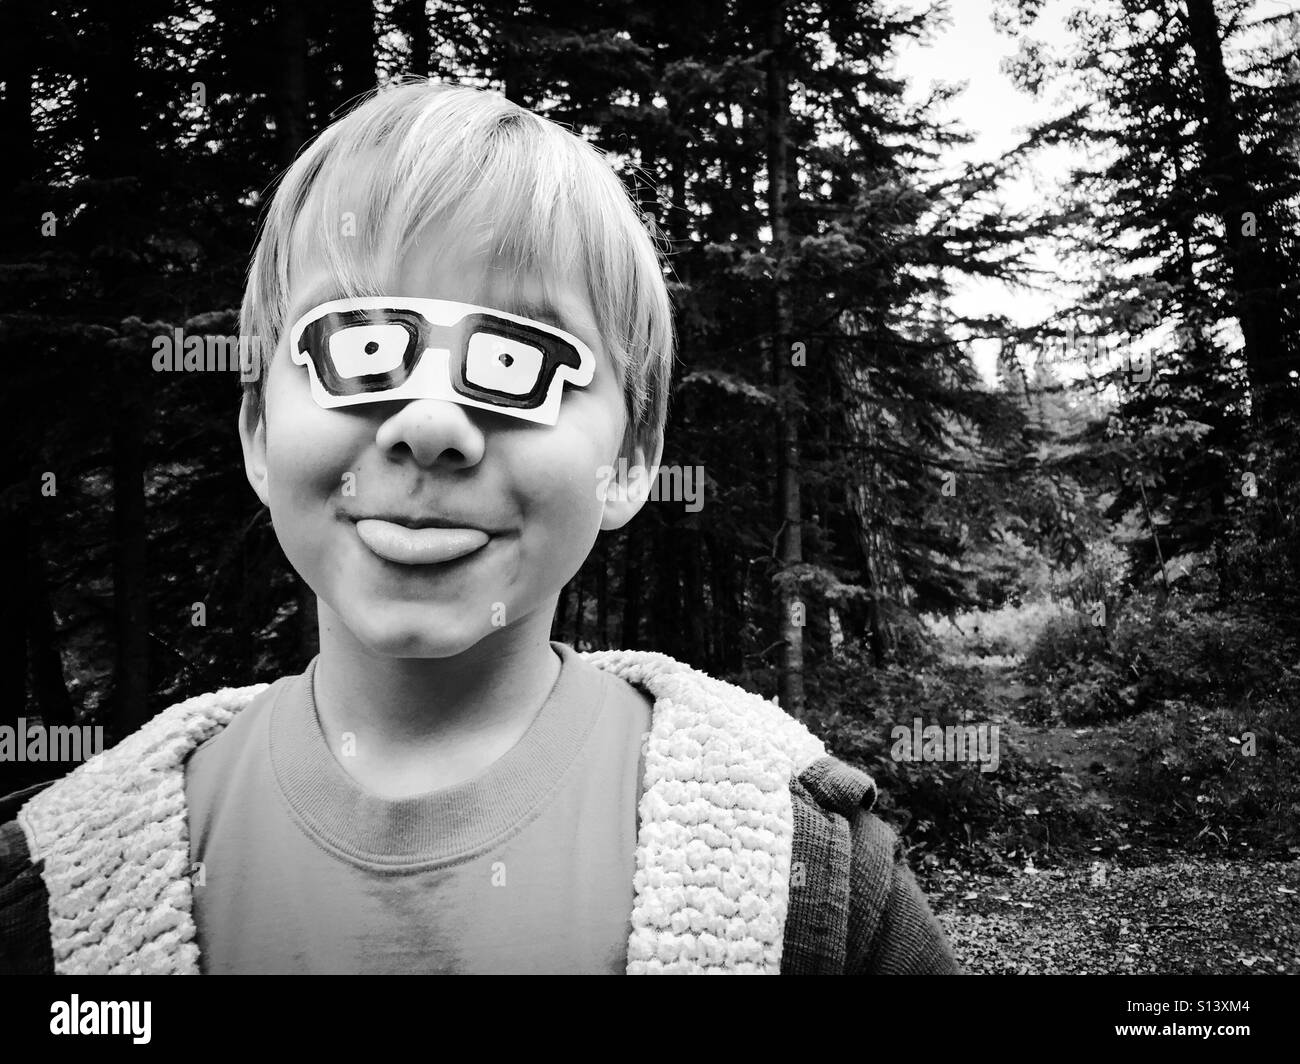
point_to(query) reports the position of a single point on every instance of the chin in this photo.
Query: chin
(389, 637)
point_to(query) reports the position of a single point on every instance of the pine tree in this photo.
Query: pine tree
(1190, 220)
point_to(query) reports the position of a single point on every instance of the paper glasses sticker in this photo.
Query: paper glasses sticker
(379, 349)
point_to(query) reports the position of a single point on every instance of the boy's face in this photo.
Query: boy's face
(354, 492)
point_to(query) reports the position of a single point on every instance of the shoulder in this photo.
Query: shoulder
(50, 848)
(24, 913)
(235, 729)
(229, 766)
(722, 716)
(855, 906)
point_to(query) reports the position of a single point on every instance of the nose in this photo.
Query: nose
(432, 431)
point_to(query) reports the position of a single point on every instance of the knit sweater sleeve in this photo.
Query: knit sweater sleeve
(24, 906)
(892, 930)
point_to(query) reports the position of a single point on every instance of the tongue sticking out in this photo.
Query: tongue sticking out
(418, 546)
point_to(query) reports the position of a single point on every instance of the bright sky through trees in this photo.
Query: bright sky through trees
(998, 115)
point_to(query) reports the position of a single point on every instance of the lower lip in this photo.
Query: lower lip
(419, 546)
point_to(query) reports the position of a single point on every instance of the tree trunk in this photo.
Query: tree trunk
(308, 622)
(664, 597)
(1255, 278)
(579, 608)
(633, 588)
(245, 614)
(356, 29)
(602, 595)
(16, 107)
(860, 504)
(289, 90)
(414, 22)
(693, 601)
(561, 614)
(728, 614)
(14, 534)
(117, 154)
(130, 537)
(510, 61)
(785, 383)
(48, 685)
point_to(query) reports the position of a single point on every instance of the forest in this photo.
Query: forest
(1094, 548)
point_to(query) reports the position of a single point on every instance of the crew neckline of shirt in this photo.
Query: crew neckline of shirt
(437, 827)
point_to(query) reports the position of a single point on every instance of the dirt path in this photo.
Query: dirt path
(1087, 754)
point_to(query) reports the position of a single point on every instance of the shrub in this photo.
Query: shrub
(1008, 631)
(1219, 777)
(1098, 577)
(1067, 639)
(1211, 657)
(1151, 653)
(855, 708)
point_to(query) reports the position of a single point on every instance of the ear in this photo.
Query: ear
(624, 498)
(252, 437)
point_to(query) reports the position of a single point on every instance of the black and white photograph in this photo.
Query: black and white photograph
(787, 487)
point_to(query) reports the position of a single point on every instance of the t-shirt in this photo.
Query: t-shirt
(526, 868)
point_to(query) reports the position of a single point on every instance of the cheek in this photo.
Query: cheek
(561, 482)
(307, 449)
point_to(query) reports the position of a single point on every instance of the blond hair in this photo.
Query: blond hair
(533, 191)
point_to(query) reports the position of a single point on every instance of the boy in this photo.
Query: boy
(469, 325)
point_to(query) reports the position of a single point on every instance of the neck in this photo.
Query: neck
(421, 724)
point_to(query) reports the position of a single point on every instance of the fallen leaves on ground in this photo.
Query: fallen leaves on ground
(1184, 917)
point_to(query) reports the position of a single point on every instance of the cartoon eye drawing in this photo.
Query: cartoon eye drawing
(359, 350)
(501, 364)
